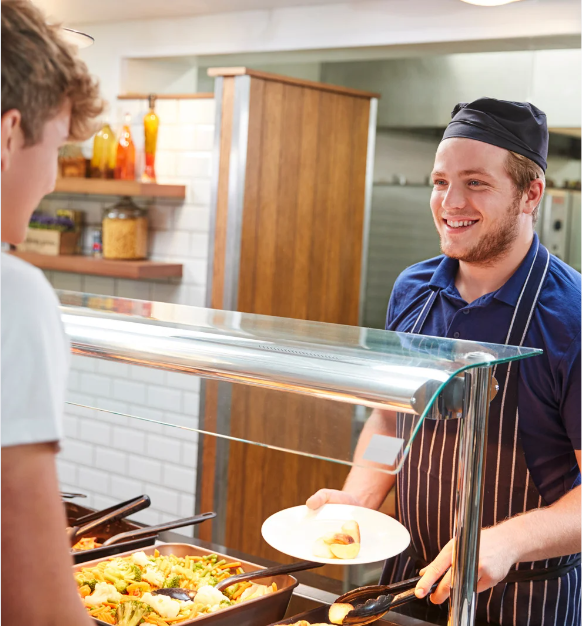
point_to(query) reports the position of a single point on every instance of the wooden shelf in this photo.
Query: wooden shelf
(77, 264)
(98, 186)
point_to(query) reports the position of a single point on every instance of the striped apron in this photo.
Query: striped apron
(426, 492)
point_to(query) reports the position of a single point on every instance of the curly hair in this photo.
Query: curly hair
(40, 71)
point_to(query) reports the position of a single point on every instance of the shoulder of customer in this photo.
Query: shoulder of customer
(35, 356)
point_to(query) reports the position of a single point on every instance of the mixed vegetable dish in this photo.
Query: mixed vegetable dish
(121, 591)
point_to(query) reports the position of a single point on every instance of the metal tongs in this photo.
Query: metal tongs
(88, 523)
(368, 604)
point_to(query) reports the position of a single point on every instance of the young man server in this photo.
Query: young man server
(494, 283)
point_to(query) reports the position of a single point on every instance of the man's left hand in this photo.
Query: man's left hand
(496, 556)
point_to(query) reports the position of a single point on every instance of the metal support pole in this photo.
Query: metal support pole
(469, 497)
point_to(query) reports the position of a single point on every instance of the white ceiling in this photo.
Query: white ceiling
(89, 11)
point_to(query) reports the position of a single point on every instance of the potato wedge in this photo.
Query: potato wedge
(352, 528)
(339, 538)
(321, 550)
(338, 611)
(342, 551)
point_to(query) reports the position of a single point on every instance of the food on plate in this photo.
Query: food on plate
(303, 622)
(87, 543)
(338, 611)
(339, 545)
(122, 590)
(322, 550)
(340, 551)
(352, 528)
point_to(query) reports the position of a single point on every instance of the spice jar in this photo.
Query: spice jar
(125, 231)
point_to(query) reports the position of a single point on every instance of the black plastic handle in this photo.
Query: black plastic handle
(277, 570)
(407, 596)
(116, 507)
(112, 514)
(150, 530)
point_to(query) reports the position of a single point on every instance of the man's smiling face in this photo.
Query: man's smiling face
(474, 203)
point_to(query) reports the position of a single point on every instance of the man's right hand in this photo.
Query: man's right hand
(331, 496)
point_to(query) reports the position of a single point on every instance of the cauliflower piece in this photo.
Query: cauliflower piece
(154, 576)
(163, 605)
(209, 596)
(104, 592)
(140, 558)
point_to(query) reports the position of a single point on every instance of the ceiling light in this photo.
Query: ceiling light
(489, 3)
(77, 38)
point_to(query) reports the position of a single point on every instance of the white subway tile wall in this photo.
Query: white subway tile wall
(112, 457)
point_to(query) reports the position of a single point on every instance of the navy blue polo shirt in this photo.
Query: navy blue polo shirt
(549, 402)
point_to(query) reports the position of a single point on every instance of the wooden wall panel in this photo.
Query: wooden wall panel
(300, 257)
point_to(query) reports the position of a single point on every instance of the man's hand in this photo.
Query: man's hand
(331, 496)
(495, 559)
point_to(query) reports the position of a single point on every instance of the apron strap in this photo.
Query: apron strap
(546, 573)
(421, 319)
(528, 297)
(514, 576)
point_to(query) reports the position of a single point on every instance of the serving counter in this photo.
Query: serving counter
(424, 377)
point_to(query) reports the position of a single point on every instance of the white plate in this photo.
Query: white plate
(294, 531)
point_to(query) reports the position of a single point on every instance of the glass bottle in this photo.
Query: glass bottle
(125, 161)
(104, 152)
(150, 122)
(125, 231)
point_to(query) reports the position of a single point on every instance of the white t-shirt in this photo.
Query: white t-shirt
(35, 356)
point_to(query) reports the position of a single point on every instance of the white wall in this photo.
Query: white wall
(349, 25)
(111, 457)
(423, 91)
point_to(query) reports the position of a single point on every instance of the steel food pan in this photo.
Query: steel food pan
(76, 511)
(257, 612)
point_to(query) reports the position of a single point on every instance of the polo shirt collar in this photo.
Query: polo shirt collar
(446, 272)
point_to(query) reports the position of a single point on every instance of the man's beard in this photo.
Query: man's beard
(494, 245)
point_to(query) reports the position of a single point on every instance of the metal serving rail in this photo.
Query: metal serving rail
(403, 372)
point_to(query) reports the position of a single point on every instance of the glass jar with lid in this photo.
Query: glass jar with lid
(125, 231)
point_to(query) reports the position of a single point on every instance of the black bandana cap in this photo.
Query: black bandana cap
(517, 126)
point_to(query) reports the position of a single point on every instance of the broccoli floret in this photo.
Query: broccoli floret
(82, 580)
(136, 573)
(121, 574)
(131, 612)
(172, 581)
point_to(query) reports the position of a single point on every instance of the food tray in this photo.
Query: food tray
(257, 612)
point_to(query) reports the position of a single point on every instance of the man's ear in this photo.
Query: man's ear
(533, 196)
(11, 136)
